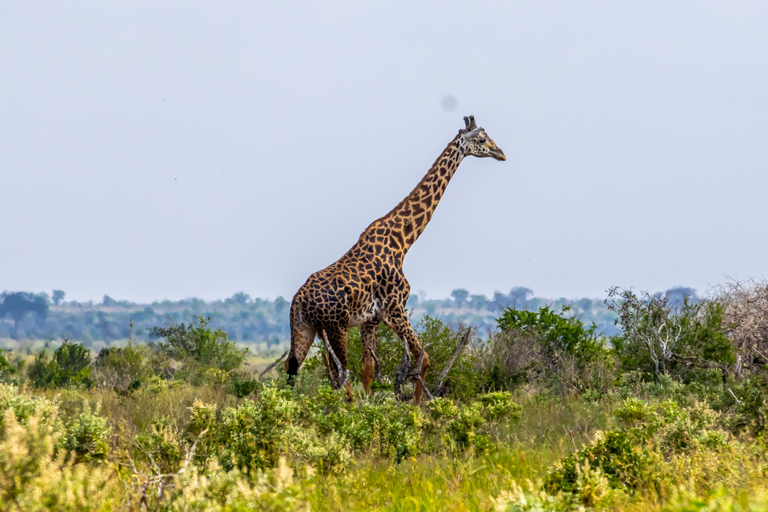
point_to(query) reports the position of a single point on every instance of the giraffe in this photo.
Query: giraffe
(366, 286)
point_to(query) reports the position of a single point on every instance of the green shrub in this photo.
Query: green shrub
(123, 368)
(537, 345)
(499, 405)
(164, 446)
(255, 434)
(199, 343)
(85, 438)
(69, 366)
(243, 385)
(620, 455)
(23, 406)
(633, 412)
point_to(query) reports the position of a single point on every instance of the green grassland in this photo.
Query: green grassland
(545, 414)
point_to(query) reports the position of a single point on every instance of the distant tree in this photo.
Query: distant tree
(108, 301)
(241, 298)
(280, 304)
(460, 296)
(58, 296)
(478, 302)
(518, 296)
(413, 302)
(18, 304)
(677, 296)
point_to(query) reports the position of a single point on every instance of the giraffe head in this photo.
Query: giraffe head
(474, 141)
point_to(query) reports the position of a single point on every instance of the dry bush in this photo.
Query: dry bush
(745, 319)
(512, 359)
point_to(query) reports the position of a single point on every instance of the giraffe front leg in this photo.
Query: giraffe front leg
(368, 337)
(302, 337)
(399, 323)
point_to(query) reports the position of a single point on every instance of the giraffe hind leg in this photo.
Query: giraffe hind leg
(336, 337)
(368, 337)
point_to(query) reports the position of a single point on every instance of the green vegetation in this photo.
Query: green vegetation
(544, 415)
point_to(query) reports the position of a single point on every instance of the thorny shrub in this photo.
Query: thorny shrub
(662, 338)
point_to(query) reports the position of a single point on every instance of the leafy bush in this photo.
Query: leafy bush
(642, 452)
(499, 405)
(123, 368)
(254, 435)
(164, 446)
(85, 438)
(199, 343)
(534, 345)
(23, 406)
(69, 366)
(242, 385)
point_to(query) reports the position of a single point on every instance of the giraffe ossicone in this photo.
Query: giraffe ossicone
(367, 286)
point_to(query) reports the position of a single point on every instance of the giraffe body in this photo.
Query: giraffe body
(367, 286)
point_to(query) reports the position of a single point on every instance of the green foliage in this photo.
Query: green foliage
(640, 454)
(85, 438)
(499, 405)
(463, 381)
(199, 343)
(69, 366)
(163, 446)
(10, 369)
(23, 406)
(544, 345)
(558, 332)
(123, 368)
(255, 434)
(752, 395)
(242, 385)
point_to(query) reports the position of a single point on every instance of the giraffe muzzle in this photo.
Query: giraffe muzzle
(498, 154)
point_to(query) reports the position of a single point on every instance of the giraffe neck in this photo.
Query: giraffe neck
(407, 221)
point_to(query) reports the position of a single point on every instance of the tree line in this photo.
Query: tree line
(51, 318)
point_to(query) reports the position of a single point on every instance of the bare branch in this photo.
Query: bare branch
(444, 373)
(272, 365)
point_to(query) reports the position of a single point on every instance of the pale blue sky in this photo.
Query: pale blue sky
(154, 150)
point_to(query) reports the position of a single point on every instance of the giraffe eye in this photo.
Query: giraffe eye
(481, 141)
